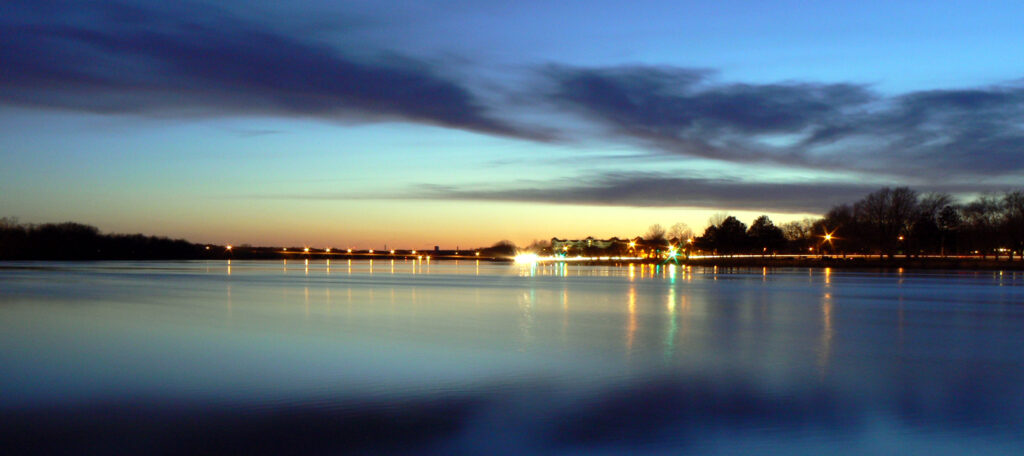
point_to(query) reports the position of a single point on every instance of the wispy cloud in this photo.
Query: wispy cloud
(666, 190)
(193, 59)
(970, 132)
(114, 58)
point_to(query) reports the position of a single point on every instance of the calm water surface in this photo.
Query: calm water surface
(467, 358)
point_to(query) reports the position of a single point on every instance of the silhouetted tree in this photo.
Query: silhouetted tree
(728, 237)
(680, 232)
(983, 217)
(1013, 220)
(655, 233)
(887, 214)
(75, 241)
(765, 235)
(846, 232)
(950, 223)
(540, 247)
(798, 234)
(502, 248)
(925, 232)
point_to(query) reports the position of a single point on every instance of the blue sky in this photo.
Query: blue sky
(461, 123)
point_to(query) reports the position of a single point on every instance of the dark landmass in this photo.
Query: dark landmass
(71, 241)
(867, 263)
(77, 242)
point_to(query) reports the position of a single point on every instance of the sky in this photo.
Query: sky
(460, 123)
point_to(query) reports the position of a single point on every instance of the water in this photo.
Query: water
(481, 358)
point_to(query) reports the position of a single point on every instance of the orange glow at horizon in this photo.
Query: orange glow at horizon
(450, 225)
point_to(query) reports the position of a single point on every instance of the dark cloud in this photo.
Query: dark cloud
(663, 190)
(659, 190)
(114, 57)
(845, 126)
(192, 59)
(685, 111)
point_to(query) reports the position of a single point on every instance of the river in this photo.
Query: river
(411, 356)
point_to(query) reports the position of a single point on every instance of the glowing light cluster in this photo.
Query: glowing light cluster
(527, 258)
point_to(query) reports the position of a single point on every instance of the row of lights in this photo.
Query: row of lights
(328, 250)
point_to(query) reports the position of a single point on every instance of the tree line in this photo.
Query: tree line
(901, 221)
(75, 241)
(886, 222)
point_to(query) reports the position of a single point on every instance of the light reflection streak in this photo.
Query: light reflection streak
(631, 327)
(527, 301)
(534, 258)
(229, 267)
(565, 314)
(673, 324)
(899, 323)
(825, 352)
(305, 292)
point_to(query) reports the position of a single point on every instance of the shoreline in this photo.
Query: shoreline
(870, 263)
(970, 264)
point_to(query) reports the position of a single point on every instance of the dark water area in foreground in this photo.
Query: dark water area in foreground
(409, 357)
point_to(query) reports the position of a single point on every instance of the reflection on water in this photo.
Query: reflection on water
(409, 356)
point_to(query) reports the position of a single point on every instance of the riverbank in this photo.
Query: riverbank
(859, 262)
(872, 263)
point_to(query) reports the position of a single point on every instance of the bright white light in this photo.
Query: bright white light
(526, 258)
